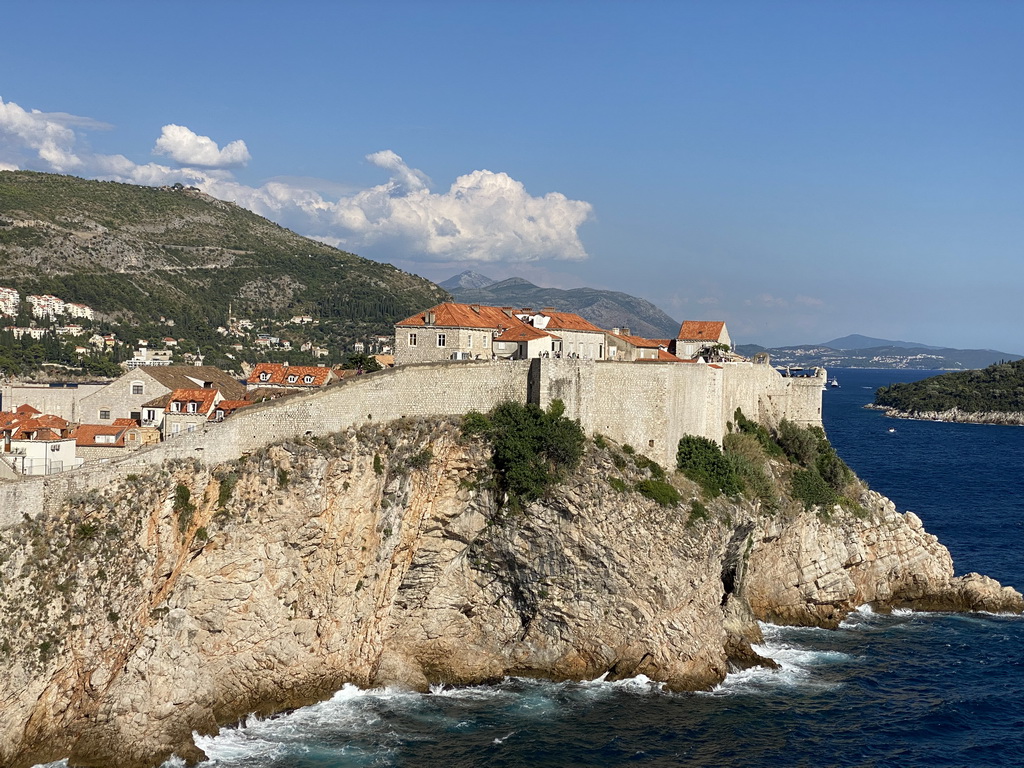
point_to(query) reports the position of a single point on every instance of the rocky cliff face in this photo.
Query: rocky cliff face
(184, 599)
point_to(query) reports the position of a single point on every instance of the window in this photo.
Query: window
(412, 339)
(175, 428)
(104, 414)
(292, 378)
(193, 407)
(264, 376)
(104, 438)
(440, 340)
(471, 341)
(307, 379)
(138, 388)
(176, 407)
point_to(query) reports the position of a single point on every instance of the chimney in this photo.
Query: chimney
(625, 331)
(616, 330)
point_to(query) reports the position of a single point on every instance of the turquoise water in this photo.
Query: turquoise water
(911, 689)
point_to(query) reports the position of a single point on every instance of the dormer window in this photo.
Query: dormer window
(193, 407)
(265, 376)
(292, 378)
(175, 407)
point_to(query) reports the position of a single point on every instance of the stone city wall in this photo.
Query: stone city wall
(648, 405)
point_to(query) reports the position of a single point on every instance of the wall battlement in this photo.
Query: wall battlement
(648, 405)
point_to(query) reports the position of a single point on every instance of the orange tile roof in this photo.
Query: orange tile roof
(85, 435)
(568, 321)
(279, 374)
(204, 398)
(452, 315)
(26, 408)
(228, 407)
(701, 330)
(524, 332)
(125, 423)
(640, 341)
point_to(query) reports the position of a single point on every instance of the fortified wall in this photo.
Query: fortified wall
(648, 405)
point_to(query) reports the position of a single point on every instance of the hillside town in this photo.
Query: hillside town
(53, 427)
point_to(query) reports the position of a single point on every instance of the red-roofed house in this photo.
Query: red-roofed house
(524, 341)
(576, 337)
(451, 331)
(285, 376)
(698, 337)
(188, 410)
(36, 444)
(105, 441)
(623, 346)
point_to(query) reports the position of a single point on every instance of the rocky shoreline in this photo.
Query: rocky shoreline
(186, 598)
(1011, 418)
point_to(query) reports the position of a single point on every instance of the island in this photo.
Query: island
(993, 395)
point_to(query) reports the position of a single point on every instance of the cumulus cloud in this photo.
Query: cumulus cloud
(483, 216)
(189, 148)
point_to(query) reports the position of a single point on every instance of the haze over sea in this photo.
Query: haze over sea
(910, 689)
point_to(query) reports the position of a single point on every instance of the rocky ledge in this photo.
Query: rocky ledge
(1008, 418)
(181, 600)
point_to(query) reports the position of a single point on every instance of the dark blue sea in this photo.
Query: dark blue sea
(912, 689)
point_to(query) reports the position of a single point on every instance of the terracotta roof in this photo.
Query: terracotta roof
(125, 423)
(567, 321)
(279, 374)
(388, 361)
(204, 399)
(640, 341)
(25, 408)
(85, 435)
(524, 332)
(268, 393)
(229, 407)
(452, 315)
(701, 330)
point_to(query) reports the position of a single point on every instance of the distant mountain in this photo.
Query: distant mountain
(607, 309)
(886, 356)
(856, 341)
(468, 280)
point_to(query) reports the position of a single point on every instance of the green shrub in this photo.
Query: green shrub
(701, 460)
(475, 423)
(421, 460)
(810, 488)
(282, 477)
(618, 484)
(659, 491)
(183, 506)
(656, 470)
(227, 487)
(533, 448)
(378, 465)
(697, 511)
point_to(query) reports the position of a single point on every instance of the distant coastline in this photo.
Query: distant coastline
(955, 415)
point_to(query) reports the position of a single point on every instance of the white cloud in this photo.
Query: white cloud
(189, 148)
(26, 134)
(482, 217)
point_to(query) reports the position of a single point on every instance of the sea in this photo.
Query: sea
(906, 689)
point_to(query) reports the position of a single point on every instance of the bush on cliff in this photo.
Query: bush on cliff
(533, 448)
(823, 477)
(701, 460)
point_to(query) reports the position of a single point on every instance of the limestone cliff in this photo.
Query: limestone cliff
(185, 598)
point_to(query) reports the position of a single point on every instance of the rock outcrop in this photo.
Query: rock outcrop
(186, 598)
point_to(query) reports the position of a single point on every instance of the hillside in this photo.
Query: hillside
(606, 309)
(140, 256)
(996, 389)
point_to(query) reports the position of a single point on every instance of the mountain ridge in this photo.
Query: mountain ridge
(606, 309)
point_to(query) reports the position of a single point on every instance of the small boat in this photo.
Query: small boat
(891, 430)
(834, 383)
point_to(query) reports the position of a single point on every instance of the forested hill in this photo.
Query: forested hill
(996, 389)
(138, 254)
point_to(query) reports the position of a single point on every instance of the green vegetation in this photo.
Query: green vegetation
(998, 388)
(533, 448)
(818, 477)
(183, 507)
(659, 491)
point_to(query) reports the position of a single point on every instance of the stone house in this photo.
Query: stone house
(452, 331)
(576, 337)
(622, 345)
(696, 337)
(100, 441)
(125, 396)
(188, 410)
(524, 341)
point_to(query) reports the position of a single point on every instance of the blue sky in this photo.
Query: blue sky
(801, 170)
